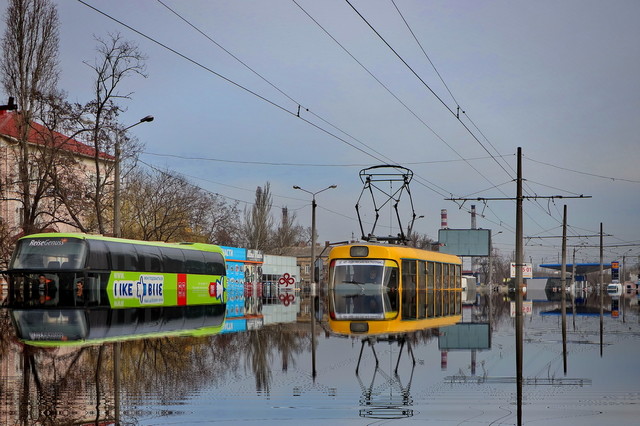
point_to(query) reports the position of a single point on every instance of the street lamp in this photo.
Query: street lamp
(313, 268)
(116, 183)
(313, 231)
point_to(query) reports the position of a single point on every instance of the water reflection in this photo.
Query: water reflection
(189, 379)
(385, 396)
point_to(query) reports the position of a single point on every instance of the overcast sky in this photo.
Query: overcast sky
(380, 81)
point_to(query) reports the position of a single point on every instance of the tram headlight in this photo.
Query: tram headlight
(359, 251)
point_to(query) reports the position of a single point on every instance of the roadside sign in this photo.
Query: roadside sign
(527, 270)
(527, 308)
(615, 272)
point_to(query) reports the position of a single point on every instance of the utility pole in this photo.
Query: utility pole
(519, 261)
(518, 287)
(601, 291)
(563, 292)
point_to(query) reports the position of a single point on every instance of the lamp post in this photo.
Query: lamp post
(117, 232)
(313, 269)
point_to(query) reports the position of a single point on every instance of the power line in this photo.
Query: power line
(428, 87)
(581, 172)
(269, 163)
(442, 192)
(417, 177)
(439, 191)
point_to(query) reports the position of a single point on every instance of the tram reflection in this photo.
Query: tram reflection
(385, 396)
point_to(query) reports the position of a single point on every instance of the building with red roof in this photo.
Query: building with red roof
(77, 160)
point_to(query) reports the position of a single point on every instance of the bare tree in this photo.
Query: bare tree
(215, 221)
(163, 206)
(421, 241)
(117, 60)
(154, 206)
(258, 223)
(29, 71)
(287, 234)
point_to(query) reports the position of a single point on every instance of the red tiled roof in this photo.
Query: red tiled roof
(9, 127)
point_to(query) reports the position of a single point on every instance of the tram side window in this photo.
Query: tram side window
(194, 262)
(214, 263)
(149, 258)
(422, 289)
(430, 290)
(446, 278)
(458, 286)
(438, 290)
(173, 260)
(409, 281)
(98, 255)
(123, 256)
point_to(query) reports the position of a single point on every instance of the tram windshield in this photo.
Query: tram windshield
(364, 289)
(51, 324)
(49, 253)
(48, 272)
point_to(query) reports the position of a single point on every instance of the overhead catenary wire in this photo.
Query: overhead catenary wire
(431, 186)
(417, 176)
(526, 186)
(456, 114)
(286, 164)
(378, 158)
(427, 86)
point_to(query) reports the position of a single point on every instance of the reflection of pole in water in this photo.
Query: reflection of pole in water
(26, 370)
(116, 381)
(473, 362)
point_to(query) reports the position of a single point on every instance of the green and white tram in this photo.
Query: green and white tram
(78, 288)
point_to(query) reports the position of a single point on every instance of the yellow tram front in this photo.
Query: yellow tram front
(390, 289)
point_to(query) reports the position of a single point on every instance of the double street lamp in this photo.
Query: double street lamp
(313, 231)
(116, 178)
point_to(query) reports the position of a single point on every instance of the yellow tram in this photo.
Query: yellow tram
(377, 289)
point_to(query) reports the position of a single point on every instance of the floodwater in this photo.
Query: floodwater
(463, 376)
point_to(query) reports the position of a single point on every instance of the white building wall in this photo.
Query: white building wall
(284, 309)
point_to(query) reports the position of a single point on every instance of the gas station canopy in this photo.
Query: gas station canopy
(581, 268)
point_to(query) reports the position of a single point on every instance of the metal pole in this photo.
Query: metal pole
(519, 263)
(575, 289)
(117, 229)
(563, 292)
(312, 275)
(601, 291)
(313, 285)
(490, 277)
